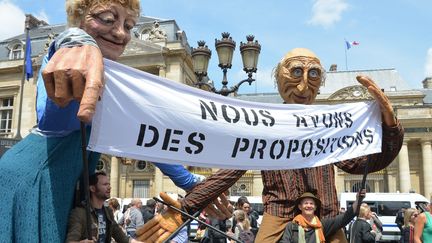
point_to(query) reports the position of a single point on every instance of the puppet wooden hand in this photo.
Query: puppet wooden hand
(384, 103)
(75, 73)
(221, 208)
(161, 226)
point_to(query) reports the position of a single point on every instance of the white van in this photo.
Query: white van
(386, 205)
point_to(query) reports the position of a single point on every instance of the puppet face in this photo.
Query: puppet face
(110, 26)
(307, 206)
(299, 77)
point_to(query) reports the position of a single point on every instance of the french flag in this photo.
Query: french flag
(351, 44)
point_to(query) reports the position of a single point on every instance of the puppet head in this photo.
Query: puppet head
(109, 22)
(299, 75)
(77, 9)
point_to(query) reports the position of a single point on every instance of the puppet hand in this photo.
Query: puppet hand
(75, 73)
(161, 226)
(384, 103)
(221, 208)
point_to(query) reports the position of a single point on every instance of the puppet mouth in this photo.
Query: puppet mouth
(300, 97)
(114, 43)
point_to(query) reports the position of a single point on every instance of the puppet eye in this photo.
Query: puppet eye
(297, 72)
(313, 73)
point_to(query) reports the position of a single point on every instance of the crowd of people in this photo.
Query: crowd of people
(415, 224)
(108, 222)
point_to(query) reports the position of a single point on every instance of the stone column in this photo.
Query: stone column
(158, 182)
(404, 170)
(162, 71)
(427, 168)
(114, 177)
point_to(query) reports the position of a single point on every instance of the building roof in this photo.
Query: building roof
(387, 79)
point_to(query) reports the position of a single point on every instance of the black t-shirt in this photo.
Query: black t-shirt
(102, 225)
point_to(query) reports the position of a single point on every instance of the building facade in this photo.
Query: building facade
(160, 47)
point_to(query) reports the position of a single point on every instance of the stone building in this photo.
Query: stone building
(160, 47)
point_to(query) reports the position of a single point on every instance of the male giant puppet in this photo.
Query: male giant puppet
(299, 75)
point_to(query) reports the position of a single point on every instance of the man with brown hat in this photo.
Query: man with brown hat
(306, 226)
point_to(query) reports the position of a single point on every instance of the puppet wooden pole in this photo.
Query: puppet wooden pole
(85, 175)
(199, 221)
(363, 184)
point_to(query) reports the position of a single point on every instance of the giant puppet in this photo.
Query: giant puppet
(299, 75)
(39, 174)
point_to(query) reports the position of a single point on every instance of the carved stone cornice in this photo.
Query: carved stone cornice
(355, 92)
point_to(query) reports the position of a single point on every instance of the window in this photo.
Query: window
(141, 188)
(385, 208)
(16, 52)
(6, 109)
(100, 165)
(141, 165)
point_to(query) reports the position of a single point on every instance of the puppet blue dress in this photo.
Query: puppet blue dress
(38, 175)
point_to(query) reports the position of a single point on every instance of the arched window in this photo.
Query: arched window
(16, 52)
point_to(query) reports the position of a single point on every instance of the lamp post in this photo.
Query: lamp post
(225, 49)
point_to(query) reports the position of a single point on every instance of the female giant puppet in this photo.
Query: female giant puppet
(38, 175)
(299, 75)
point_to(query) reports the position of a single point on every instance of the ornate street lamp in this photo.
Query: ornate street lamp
(225, 49)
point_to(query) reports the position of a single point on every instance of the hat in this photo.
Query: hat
(310, 195)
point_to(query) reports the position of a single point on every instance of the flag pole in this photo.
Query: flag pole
(27, 27)
(346, 59)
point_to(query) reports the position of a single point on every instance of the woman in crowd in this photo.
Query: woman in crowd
(115, 207)
(410, 217)
(361, 231)
(423, 227)
(242, 230)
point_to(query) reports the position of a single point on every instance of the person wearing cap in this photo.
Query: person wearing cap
(307, 227)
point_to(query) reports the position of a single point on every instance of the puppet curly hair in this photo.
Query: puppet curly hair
(76, 9)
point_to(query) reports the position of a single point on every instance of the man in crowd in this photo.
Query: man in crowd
(148, 211)
(102, 219)
(307, 225)
(133, 217)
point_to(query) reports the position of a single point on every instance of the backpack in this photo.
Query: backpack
(246, 236)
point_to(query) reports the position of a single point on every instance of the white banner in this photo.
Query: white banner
(147, 117)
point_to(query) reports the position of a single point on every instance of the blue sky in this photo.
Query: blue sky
(392, 34)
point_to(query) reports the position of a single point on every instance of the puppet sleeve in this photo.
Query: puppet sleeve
(181, 177)
(204, 193)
